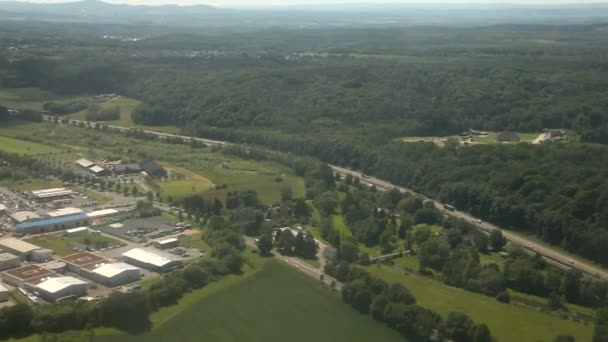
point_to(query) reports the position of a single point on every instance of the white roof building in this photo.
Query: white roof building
(84, 163)
(65, 212)
(77, 230)
(97, 169)
(168, 241)
(115, 269)
(152, 259)
(18, 247)
(53, 289)
(23, 216)
(102, 213)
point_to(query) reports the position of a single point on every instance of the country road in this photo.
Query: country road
(300, 266)
(531, 244)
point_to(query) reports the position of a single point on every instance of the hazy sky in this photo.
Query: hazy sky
(228, 3)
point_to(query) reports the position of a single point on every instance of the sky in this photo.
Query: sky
(229, 3)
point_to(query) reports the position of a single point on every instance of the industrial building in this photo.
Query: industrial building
(52, 194)
(41, 255)
(31, 274)
(167, 243)
(24, 216)
(20, 248)
(152, 260)
(53, 224)
(115, 274)
(4, 294)
(65, 212)
(54, 289)
(102, 213)
(99, 171)
(76, 262)
(76, 232)
(9, 261)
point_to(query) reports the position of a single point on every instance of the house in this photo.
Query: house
(508, 137)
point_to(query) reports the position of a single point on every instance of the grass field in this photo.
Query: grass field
(63, 245)
(276, 303)
(24, 98)
(509, 322)
(24, 147)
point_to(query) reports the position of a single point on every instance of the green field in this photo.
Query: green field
(509, 322)
(24, 98)
(63, 245)
(24, 147)
(275, 304)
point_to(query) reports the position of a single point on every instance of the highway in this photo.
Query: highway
(548, 252)
(553, 254)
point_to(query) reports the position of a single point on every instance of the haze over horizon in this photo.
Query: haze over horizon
(261, 3)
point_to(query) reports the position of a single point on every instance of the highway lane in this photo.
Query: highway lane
(547, 251)
(551, 253)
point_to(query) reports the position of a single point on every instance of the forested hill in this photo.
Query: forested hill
(347, 96)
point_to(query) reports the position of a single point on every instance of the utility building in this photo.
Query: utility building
(152, 260)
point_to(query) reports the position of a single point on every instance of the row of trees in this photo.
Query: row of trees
(396, 306)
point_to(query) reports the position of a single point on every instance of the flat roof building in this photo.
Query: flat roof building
(54, 289)
(78, 261)
(84, 163)
(167, 243)
(24, 216)
(65, 212)
(99, 171)
(53, 224)
(102, 213)
(27, 274)
(9, 261)
(52, 194)
(18, 247)
(152, 260)
(115, 274)
(76, 231)
(4, 295)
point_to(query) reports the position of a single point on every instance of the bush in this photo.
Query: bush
(504, 297)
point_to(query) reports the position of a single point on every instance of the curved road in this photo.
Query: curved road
(553, 254)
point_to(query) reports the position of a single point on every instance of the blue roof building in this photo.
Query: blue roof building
(53, 224)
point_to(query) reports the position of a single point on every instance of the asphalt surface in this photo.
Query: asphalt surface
(551, 253)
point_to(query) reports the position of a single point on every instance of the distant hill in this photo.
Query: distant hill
(304, 16)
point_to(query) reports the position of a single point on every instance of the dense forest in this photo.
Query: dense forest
(348, 96)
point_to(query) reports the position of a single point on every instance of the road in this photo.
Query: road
(300, 266)
(549, 252)
(553, 254)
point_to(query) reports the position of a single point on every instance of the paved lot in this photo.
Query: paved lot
(156, 225)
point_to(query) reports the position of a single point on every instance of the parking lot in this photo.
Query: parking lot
(138, 230)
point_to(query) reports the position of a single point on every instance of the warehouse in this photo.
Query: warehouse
(54, 289)
(52, 194)
(9, 261)
(76, 262)
(152, 260)
(167, 243)
(76, 232)
(53, 224)
(24, 216)
(32, 274)
(4, 295)
(84, 163)
(18, 247)
(115, 274)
